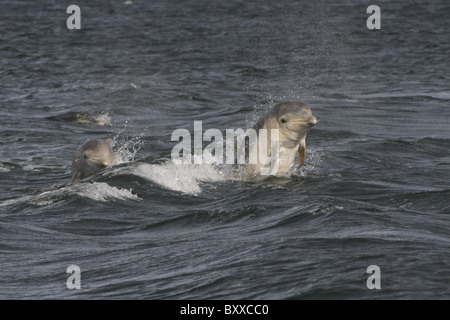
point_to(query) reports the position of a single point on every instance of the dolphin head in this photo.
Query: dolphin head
(92, 157)
(293, 119)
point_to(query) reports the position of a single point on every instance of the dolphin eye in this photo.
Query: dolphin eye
(283, 120)
(85, 156)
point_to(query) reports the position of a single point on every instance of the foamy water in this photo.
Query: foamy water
(185, 178)
(98, 191)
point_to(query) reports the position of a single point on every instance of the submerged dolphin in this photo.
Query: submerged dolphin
(293, 121)
(79, 117)
(91, 157)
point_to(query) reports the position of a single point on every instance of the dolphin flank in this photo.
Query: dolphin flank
(77, 117)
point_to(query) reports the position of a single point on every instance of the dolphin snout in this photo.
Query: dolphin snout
(312, 120)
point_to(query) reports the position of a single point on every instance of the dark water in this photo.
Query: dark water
(374, 189)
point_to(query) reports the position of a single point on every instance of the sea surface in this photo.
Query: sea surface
(374, 190)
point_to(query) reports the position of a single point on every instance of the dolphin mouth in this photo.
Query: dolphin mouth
(309, 122)
(299, 121)
(100, 162)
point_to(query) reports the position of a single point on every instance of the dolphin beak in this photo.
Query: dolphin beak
(105, 164)
(100, 162)
(312, 121)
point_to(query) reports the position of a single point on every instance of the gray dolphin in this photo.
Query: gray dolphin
(78, 117)
(293, 120)
(91, 157)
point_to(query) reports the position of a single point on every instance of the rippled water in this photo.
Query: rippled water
(374, 189)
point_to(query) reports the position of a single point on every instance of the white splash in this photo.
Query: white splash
(98, 191)
(125, 148)
(4, 168)
(105, 118)
(101, 191)
(185, 178)
(312, 165)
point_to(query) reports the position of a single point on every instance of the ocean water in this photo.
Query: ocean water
(374, 189)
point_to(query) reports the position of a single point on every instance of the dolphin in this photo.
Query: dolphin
(293, 121)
